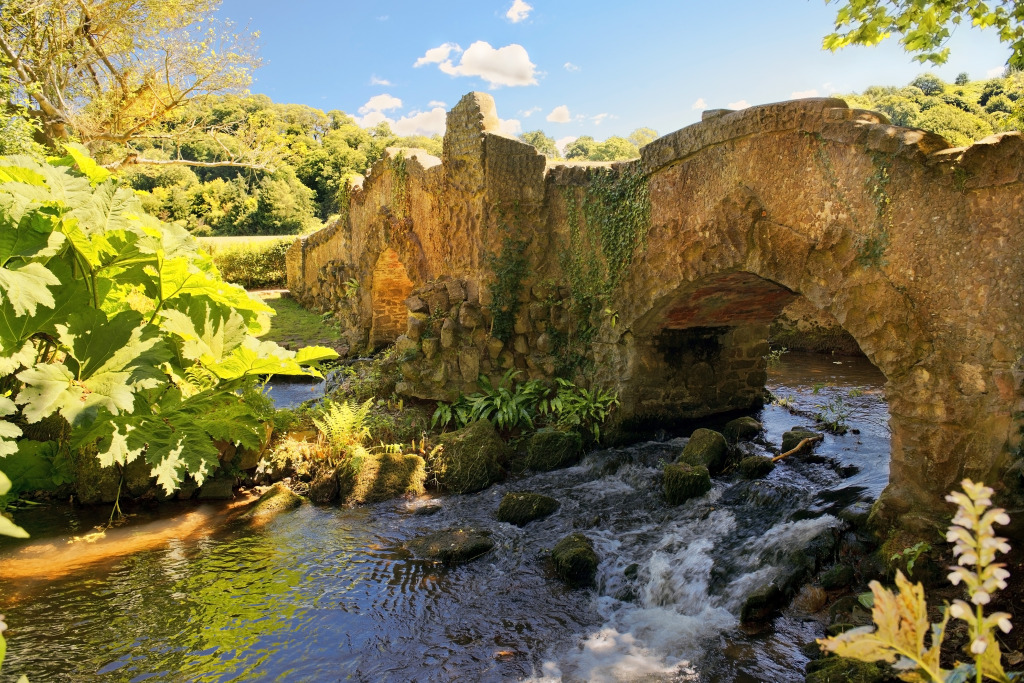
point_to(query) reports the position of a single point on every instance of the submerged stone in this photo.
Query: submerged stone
(550, 449)
(375, 477)
(575, 560)
(275, 500)
(706, 448)
(470, 458)
(683, 482)
(742, 429)
(217, 488)
(453, 546)
(522, 508)
(756, 467)
(839, 576)
(760, 604)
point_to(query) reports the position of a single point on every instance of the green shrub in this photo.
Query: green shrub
(252, 263)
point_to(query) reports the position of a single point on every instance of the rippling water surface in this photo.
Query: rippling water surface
(327, 594)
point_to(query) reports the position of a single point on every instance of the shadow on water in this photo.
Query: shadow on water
(332, 594)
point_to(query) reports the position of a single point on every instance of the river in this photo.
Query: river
(325, 594)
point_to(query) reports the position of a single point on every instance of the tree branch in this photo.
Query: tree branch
(135, 159)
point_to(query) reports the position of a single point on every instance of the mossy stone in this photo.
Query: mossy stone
(839, 576)
(453, 546)
(470, 458)
(760, 604)
(843, 670)
(793, 437)
(93, 483)
(741, 429)
(706, 448)
(575, 560)
(683, 482)
(375, 477)
(755, 467)
(549, 449)
(522, 508)
(220, 487)
(275, 500)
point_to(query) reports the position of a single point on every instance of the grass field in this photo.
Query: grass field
(294, 326)
(214, 244)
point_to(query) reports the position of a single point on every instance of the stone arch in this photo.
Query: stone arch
(390, 286)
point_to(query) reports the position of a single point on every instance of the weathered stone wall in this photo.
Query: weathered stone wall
(912, 248)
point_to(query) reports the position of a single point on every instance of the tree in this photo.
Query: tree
(580, 148)
(962, 78)
(614, 148)
(641, 136)
(930, 84)
(925, 25)
(544, 144)
(112, 72)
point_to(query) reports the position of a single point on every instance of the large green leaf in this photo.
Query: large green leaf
(80, 155)
(35, 235)
(31, 467)
(206, 331)
(28, 286)
(72, 295)
(257, 358)
(107, 363)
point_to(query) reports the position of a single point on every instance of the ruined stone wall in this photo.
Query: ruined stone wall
(912, 248)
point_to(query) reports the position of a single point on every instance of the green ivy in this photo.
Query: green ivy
(872, 248)
(510, 267)
(399, 188)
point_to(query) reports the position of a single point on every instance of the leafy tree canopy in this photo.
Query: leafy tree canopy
(924, 26)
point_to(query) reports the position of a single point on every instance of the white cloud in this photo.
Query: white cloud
(437, 103)
(518, 11)
(436, 55)
(996, 71)
(510, 126)
(380, 103)
(509, 65)
(562, 143)
(740, 104)
(699, 104)
(559, 114)
(800, 94)
(420, 123)
(599, 118)
(527, 113)
(569, 66)
(379, 81)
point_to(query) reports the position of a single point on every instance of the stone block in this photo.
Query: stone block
(683, 482)
(469, 364)
(538, 312)
(520, 345)
(494, 347)
(416, 326)
(470, 316)
(522, 322)
(456, 291)
(448, 333)
(437, 300)
(545, 344)
(430, 346)
(416, 305)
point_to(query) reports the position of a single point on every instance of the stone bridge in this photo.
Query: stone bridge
(659, 277)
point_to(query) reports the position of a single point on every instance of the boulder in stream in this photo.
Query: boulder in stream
(522, 508)
(470, 458)
(793, 437)
(374, 477)
(683, 482)
(575, 560)
(741, 429)
(275, 500)
(706, 448)
(835, 669)
(756, 467)
(453, 546)
(549, 449)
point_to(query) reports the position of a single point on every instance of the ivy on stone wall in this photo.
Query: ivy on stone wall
(872, 249)
(510, 267)
(616, 213)
(400, 187)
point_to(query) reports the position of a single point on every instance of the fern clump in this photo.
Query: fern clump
(343, 427)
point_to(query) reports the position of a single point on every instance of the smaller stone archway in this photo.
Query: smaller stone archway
(390, 286)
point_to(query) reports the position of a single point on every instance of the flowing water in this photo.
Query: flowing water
(325, 594)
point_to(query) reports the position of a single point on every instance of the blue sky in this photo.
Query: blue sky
(569, 67)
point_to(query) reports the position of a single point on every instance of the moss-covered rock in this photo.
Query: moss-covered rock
(706, 448)
(683, 482)
(470, 458)
(793, 437)
(275, 500)
(374, 477)
(839, 576)
(94, 484)
(741, 429)
(522, 508)
(324, 488)
(549, 449)
(220, 487)
(843, 670)
(575, 560)
(453, 546)
(760, 604)
(755, 467)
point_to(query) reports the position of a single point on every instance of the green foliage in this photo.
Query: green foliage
(614, 148)
(833, 415)
(513, 405)
(343, 426)
(544, 144)
(911, 555)
(901, 622)
(253, 264)
(924, 26)
(121, 326)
